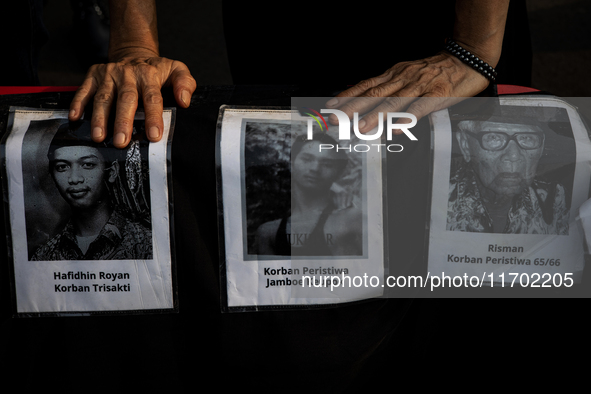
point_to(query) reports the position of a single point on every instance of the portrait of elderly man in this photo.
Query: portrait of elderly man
(84, 172)
(320, 223)
(496, 188)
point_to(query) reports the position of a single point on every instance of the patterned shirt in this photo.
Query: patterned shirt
(539, 209)
(119, 239)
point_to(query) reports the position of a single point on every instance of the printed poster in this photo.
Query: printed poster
(292, 213)
(89, 223)
(509, 177)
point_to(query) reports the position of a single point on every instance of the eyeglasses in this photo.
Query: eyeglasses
(497, 140)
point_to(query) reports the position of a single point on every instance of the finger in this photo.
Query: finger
(365, 85)
(370, 98)
(358, 90)
(427, 104)
(360, 105)
(103, 100)
(153, 107)
(83, 96)
(398, 102)
(343, 100)
(337, 101)
(390, 104)
(343, 201)
(127, 102)
(183, 84)
(348, 200)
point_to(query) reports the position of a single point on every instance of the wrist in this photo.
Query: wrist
(134, 31)
(487, 50)
(131, 52)
(471, 59)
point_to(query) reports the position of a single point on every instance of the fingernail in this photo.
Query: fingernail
(333, 119)
(332, 102)
(154, 132)
(185, 98)
(97, 133)
(72, 113)
(361, 124)
(119, 139)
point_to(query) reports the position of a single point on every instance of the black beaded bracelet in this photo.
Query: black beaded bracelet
(470, 59)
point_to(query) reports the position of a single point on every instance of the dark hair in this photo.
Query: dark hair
(79, 134)
(490, 110)
(130, 191)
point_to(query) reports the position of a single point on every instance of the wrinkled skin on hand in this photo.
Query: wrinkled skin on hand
(125, 82)
(418, 87)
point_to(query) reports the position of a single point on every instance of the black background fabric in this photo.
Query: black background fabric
(328, 44)
(362, 347)
(23, 35)
(368, 345)
(295, 349)
(328, 346)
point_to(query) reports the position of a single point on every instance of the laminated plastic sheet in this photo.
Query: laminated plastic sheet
(508, 217)
(54, 180)
(264, 188)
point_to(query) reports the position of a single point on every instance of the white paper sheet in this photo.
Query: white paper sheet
(526, 254)
(255, 280)
(84, 285)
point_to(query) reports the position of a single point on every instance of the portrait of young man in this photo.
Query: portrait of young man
(315, 225)
(102, 223)
(498, 188)
(300, 200)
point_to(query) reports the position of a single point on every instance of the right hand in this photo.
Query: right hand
(127, 80)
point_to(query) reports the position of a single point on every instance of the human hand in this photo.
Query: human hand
(421, 86)
(342, 198)
(126, 81)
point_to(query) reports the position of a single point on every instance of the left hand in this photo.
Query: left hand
(423, 86)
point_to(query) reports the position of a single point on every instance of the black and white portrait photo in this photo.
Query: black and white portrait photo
(302, 198)
(295, 200)
(512, 171)
(90, 227)
(84, 200)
